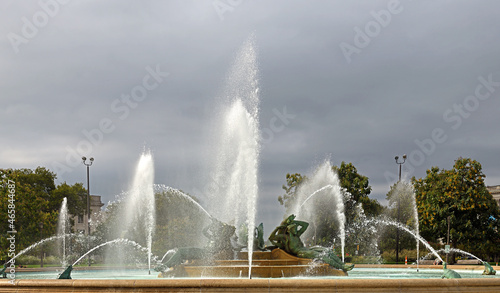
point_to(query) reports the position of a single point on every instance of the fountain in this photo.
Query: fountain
(259, 259)
(235, 171)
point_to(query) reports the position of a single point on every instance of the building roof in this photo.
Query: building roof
(495, 192)
(95, 201)
(494, 189)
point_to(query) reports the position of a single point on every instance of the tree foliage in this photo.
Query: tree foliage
(293, 181)
(461, 195)
(75, 194)
(37, 201)
(357, 189)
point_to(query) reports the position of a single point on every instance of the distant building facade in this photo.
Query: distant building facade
(495, 192)
(81, 221)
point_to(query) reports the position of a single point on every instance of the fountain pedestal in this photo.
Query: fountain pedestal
(265, 264)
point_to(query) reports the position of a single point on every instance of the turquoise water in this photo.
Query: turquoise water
(92, 274)
(410, 273)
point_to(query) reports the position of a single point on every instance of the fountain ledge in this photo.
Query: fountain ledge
(254, 285)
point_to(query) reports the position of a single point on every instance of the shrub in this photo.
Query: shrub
(35, 260)
(27, 260)
(366, 259)
(389, 256)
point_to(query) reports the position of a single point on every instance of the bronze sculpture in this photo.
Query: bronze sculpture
(287, 237)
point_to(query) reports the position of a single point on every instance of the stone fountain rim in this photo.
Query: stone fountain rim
(213, 285)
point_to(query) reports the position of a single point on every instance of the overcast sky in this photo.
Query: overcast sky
(354, 81)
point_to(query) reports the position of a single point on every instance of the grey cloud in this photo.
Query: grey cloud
(395, 91)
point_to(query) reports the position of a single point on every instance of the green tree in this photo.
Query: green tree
(33, 207)
(76, 196)
(461, 195)
(37, 201)
(293, 181)
(357, 189)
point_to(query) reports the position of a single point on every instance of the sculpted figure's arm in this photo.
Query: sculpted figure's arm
(273, 237)
(302, 227)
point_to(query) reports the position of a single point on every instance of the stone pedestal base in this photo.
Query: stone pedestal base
(265, 264)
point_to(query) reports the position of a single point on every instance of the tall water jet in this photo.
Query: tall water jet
(403, 195)
(417, 224)
(237, 161)
(61, 227)
(319, 192)
(140, 203)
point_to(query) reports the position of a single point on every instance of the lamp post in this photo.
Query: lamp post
(397, 230)
(41, 246)
(84, 161)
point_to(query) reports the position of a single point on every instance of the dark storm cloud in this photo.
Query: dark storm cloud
(419, 61)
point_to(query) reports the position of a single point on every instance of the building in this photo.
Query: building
(495, 192)
(80, 221)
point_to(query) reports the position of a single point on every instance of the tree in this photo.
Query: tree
(460, 195)
(75, 194)
(357, 190)
(37, 201)
(293, 181)
(32, 206)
